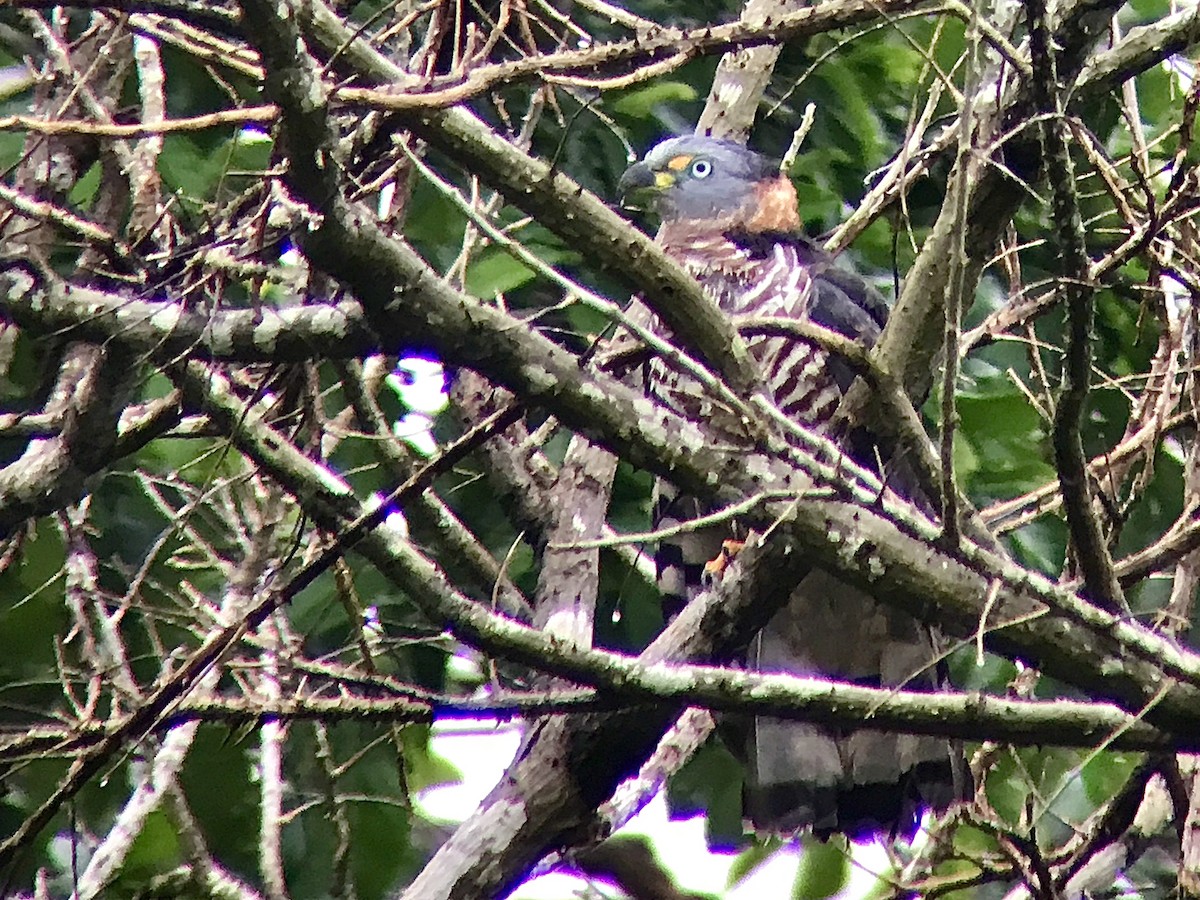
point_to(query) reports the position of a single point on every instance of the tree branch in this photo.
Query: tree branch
(1087, 537)
(173, 329)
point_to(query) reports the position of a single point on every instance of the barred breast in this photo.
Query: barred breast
(756, 278)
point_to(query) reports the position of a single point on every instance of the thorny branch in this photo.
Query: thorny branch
(1091, 549)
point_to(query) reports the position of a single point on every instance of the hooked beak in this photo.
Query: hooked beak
(640, 185)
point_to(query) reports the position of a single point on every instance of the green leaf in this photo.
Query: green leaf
(823, 871)
(154, 850)
(641, 102)
(973, 842)
(84, 190)
(1004, 435)
(1148, 10)
(711, 782)
(751, 858)
(196, 166)
(1041, 544)
(379, 846)
(993, 675)
(33, 612)
(496, 271)
(1006, 789)
(1105, 774)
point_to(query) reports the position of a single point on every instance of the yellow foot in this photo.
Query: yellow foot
(715, 568)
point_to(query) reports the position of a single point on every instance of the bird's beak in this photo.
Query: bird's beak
(639, 185)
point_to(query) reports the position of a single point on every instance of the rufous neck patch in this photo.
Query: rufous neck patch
(777, 207)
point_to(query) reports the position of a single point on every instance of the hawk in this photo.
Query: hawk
(731, 219)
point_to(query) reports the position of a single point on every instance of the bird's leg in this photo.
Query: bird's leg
(715, 567)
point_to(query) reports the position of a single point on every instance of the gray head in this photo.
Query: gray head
(698, 178)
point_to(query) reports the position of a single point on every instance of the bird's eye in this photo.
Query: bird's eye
(701, 168)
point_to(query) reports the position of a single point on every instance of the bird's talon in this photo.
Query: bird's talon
(715, 568)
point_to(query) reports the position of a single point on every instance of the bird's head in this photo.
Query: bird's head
(703, 179)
